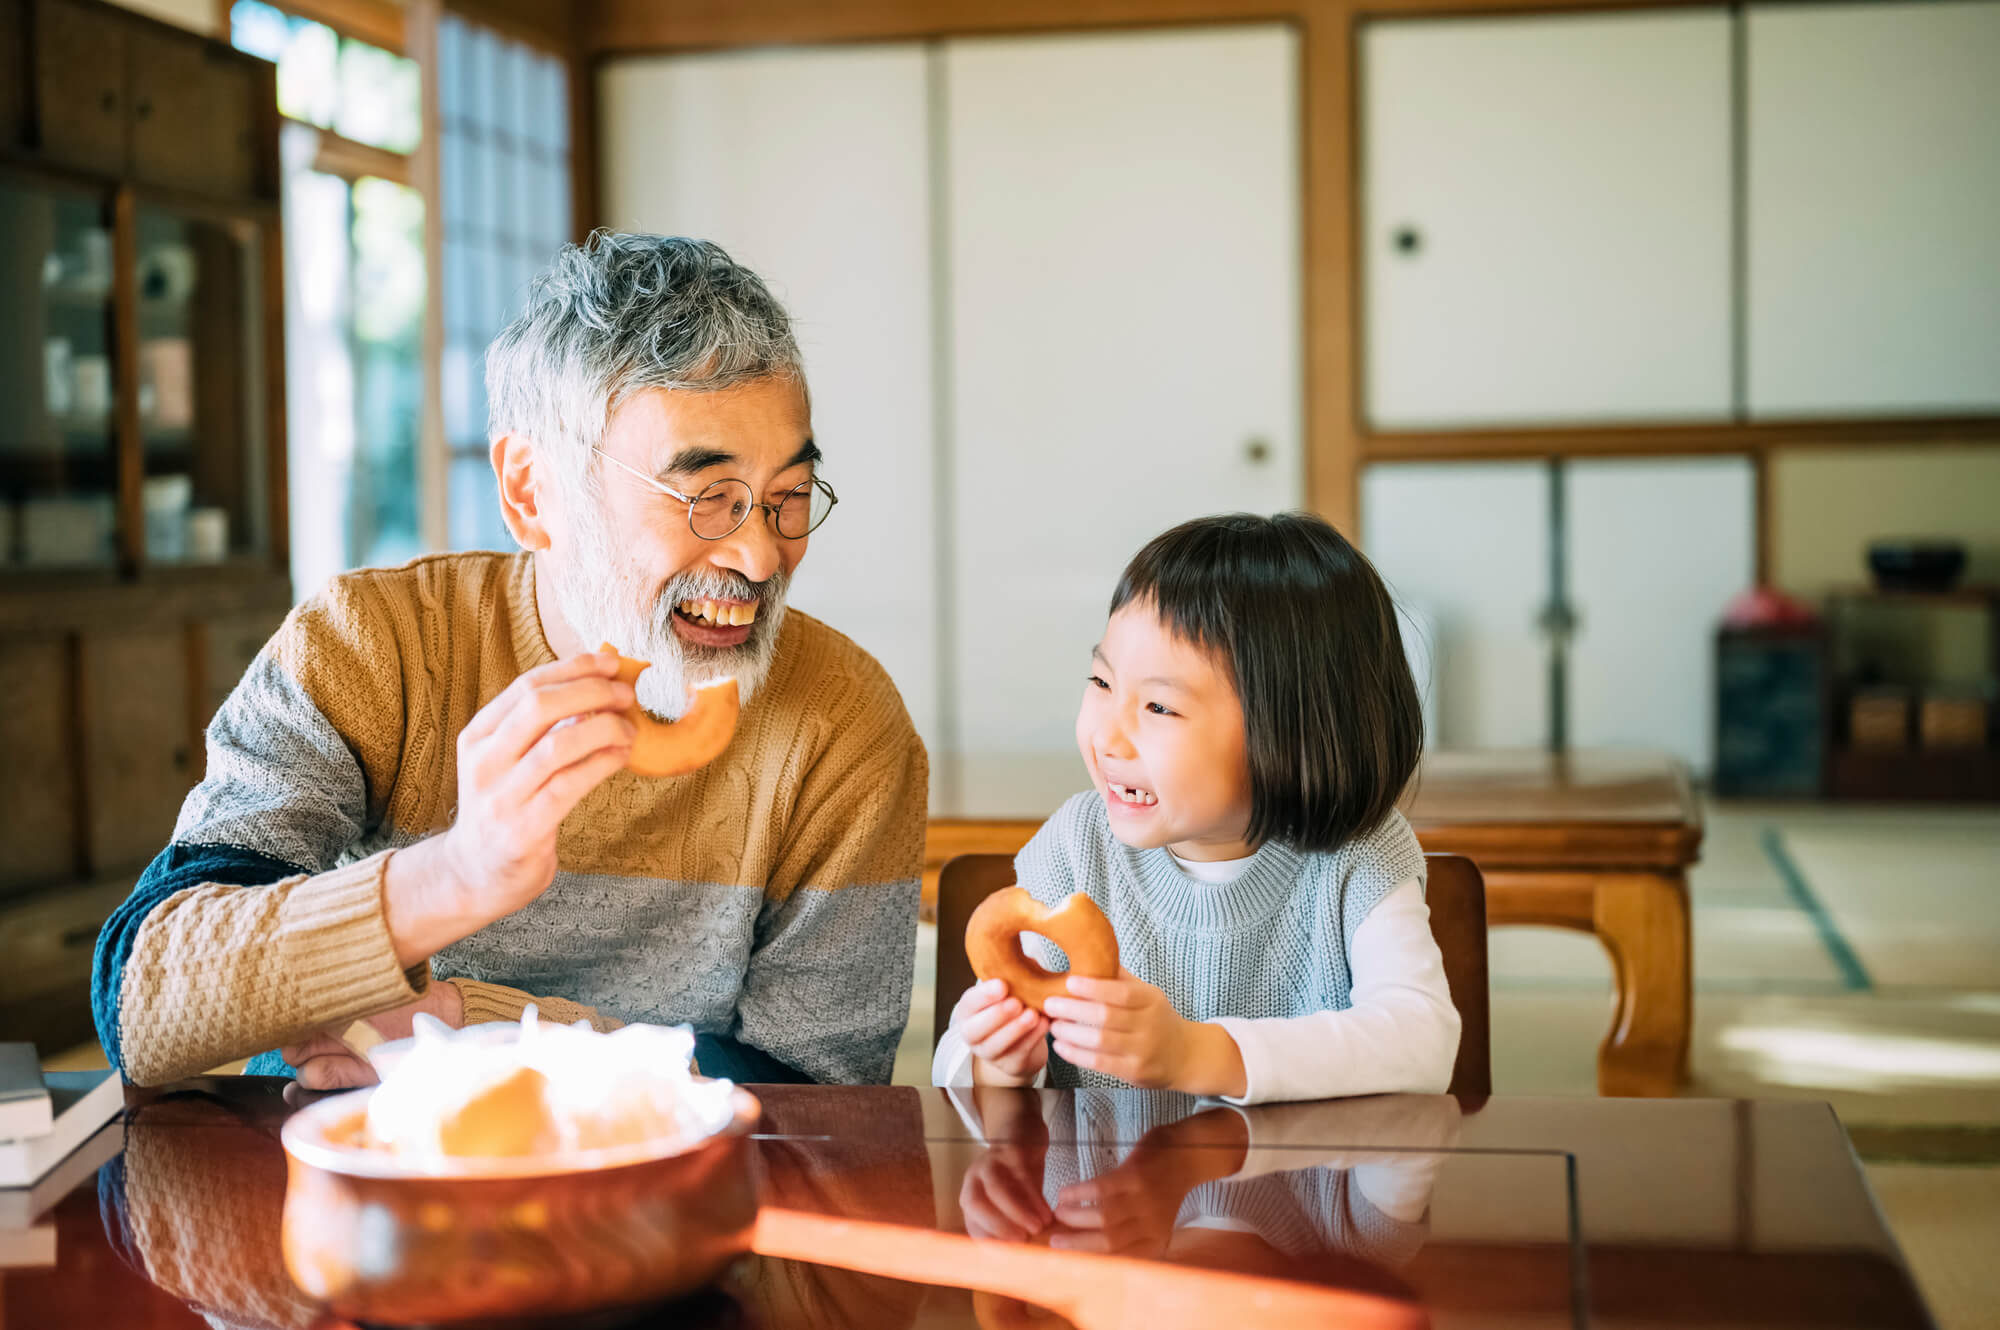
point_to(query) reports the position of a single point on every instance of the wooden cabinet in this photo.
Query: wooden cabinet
(139, 737)
(1873, 196)
(227, 647)
(141, 458)
(38, 823)
(80, 108)
(14, 81)
(191, 114)
(1545, 219)
(114, 93)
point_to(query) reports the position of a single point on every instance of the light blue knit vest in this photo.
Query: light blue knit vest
(1273, 942)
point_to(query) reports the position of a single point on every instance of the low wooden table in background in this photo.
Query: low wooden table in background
(1599, 841)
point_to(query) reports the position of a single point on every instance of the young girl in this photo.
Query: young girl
(1249, 722)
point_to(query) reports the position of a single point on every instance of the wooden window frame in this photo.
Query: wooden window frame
(411, 30)
(1338, 440)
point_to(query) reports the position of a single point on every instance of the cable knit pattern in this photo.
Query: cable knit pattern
(1273, 942)
(770, 897)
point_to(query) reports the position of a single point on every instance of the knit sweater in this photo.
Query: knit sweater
(1273, 943)
(770, 897)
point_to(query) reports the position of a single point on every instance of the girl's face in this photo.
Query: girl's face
(1161, 730)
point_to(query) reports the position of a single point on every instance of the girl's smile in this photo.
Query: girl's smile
(1161, 731)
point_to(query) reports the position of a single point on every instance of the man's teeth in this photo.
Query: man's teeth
(719, 613)
(1131, 796)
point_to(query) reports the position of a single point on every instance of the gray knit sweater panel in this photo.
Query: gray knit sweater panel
(1274, 941)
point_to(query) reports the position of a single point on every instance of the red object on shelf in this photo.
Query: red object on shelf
(1768, 607)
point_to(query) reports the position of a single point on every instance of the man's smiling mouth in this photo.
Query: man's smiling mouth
(718, 613)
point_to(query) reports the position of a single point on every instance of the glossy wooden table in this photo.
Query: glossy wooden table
(1599, 841)
(1523, 1213)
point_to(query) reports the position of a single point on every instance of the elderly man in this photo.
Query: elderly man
(416, 798)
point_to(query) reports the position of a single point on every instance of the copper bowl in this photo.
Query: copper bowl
(486, 1241)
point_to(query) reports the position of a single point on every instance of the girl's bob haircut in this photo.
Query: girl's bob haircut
(1309, 636)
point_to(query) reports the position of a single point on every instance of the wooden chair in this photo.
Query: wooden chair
(1456, 894)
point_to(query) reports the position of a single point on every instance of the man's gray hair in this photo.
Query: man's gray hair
(621, 313)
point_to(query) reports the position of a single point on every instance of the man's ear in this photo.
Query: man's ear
(521, 493)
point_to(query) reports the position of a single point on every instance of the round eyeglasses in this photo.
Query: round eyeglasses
(725, 505)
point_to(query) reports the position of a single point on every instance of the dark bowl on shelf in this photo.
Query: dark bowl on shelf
(1916, 565)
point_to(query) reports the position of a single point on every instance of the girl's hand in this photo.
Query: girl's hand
(1002, 1195)
(1008, 1039)
(1127, 1028)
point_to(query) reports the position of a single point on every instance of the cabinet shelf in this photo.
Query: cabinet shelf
(83, 301)
(1970, 597)
(1969, 775)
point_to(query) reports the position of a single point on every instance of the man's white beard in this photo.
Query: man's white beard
(598, 593)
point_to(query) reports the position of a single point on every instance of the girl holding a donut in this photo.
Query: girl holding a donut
(1249, 722)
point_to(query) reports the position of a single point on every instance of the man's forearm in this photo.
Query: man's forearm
(217, 972)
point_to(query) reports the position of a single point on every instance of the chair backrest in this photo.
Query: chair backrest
(1455, 892)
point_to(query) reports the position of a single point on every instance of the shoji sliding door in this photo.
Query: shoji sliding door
(1123, 223)
(1048, 291)
(813, 168)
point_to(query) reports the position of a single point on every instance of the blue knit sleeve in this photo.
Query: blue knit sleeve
(177, 868)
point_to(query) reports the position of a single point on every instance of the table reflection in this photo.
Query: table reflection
(195, 1202)
(1166, 1177)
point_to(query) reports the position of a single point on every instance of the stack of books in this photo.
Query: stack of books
(56, 1129)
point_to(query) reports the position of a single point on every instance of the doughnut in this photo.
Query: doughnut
(993, 942)
(510, 1116)
(690, 743)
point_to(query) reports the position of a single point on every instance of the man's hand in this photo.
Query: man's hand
(525, 760)
(1127, 1028)
(1008, 1039)
(325, 1063)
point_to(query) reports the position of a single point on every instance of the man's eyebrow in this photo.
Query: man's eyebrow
(697, 458)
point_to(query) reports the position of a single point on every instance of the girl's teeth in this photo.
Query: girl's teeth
(1127, 794)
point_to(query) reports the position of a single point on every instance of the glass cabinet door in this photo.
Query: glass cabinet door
(58, 453)
(200, 377)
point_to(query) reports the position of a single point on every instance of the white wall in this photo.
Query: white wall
(812, 167)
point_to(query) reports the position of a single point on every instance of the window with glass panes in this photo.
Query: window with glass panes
(504, 163)
(355, 286)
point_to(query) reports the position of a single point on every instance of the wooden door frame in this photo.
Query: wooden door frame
(1338, 442)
